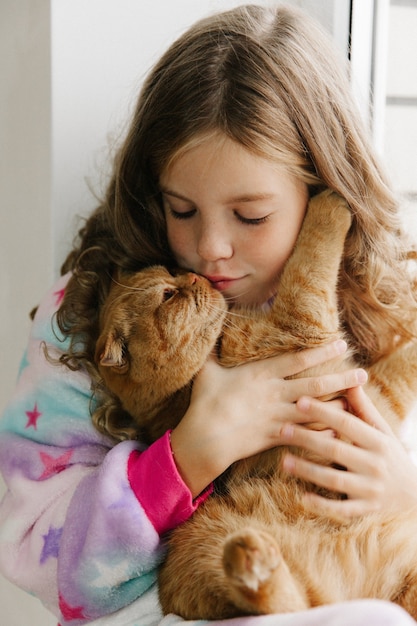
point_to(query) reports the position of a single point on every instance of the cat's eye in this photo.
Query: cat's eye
(168, 294)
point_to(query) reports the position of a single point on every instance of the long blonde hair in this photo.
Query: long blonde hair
(269, 79)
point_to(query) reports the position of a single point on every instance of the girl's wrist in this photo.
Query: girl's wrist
(194, 461)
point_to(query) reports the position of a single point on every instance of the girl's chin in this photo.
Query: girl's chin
(251, 301)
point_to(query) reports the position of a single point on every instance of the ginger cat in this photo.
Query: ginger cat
(254, 549)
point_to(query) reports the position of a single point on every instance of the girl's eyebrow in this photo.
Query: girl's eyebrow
(174, 194)
(252, 197)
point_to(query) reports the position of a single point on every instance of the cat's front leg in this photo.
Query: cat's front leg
(261, 582)
(306, 306)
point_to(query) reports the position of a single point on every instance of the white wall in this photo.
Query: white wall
(70, 73)
(25, 210)
(25, 174)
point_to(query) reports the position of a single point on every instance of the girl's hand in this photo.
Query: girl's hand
(380, 475)
(237, 412)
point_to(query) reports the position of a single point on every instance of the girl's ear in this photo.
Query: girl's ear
(113, 354)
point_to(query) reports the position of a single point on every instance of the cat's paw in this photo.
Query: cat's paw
(328, 210)
(250, 557)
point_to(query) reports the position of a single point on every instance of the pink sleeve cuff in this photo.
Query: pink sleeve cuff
(158, 486)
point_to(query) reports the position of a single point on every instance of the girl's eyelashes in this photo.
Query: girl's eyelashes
(252, 221)
(181, 215)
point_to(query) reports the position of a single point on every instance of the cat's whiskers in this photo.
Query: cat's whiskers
(128, 287)
(237, 296)
(230, 325)
(228, 321)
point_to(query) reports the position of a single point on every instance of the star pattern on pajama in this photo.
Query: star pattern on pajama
(107, 573)
(33, 417)
(70, 612)
(51, 543)
(54, 465)
(59, 296)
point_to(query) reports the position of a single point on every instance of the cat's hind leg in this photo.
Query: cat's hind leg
(261, 582)
(408, 599)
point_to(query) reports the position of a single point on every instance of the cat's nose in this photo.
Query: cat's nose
(194, 278)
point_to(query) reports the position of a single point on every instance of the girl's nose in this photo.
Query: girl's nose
(214, 243)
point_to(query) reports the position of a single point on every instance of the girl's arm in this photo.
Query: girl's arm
(81, 521)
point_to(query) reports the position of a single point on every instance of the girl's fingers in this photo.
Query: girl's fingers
(346, 425)
(293, 363)
(363, 407)
(338, 509)
(356, 486)
(326, 447)
(325, 384)
(331, 450)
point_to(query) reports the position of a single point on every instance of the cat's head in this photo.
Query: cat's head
(156, 330)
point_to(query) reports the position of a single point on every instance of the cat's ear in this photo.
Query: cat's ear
(114, 352)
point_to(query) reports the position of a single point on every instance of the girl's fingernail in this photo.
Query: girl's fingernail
(362, 376)
(341, 346)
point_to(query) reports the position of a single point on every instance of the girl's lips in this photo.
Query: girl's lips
(221, 283)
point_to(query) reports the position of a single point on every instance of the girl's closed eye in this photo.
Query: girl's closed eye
(180, 210)
(252, 221)
(180, 215)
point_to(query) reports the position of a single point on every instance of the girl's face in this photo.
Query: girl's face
(233, 217)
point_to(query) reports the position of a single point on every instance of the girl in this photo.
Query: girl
(243, 119)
